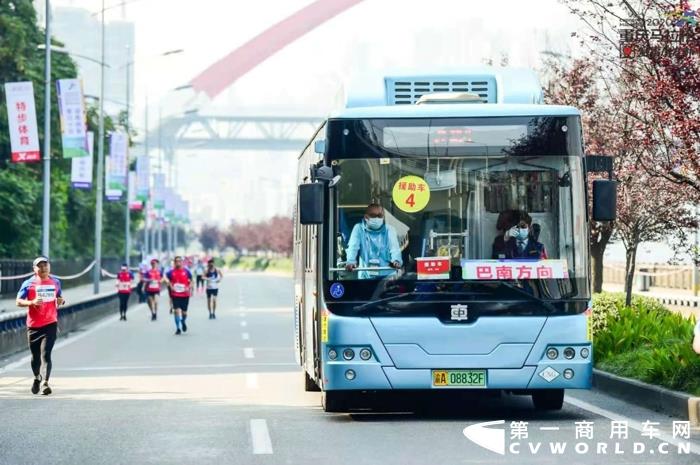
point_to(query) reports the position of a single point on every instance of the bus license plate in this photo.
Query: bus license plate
(459, 378)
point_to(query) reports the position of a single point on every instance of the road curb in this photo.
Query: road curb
(673, 403)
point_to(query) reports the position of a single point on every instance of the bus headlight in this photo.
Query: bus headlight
(585, 352)
(348, 354)
(365, 354)
(552, 353)
(350, 375)
(568, 373)
(332, 354)
(569, 353)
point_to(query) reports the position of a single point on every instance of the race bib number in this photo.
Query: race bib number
(47, 293)
(124, 286)
(179, 287)
(154, 285)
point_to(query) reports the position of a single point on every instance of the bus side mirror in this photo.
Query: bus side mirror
(604, 200)
(311, 203)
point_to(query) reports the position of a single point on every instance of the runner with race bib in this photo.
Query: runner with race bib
(212, 276)
(180, 282)
(41, 295)
(153, 278)
(124, 282)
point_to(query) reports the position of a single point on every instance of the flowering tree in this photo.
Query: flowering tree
(649, 209)
(273, 235)
(652, 47)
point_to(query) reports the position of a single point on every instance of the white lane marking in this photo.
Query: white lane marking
(260, 436)
(62, 343)
(165, 367)
(243, 324)
(248, 352)
(251, 380)
(245, 336)
(636, 425)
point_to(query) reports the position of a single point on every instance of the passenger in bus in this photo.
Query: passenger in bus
(376, 244)
(507, 219)
(523, 241)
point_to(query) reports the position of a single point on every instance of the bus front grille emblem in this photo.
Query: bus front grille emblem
(458, 312)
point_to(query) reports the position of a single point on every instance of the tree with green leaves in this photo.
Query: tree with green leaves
(72, 211)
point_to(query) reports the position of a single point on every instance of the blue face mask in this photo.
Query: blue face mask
(522, 234)
(375, 223)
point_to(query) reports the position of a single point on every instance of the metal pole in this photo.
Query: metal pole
(100, 166)
(127, 215)
(46, 218)
(147, 232)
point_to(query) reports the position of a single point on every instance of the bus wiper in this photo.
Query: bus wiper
(363, 307)
(524, 293)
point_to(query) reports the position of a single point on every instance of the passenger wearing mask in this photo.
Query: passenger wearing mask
(521, 243)
(376, 244)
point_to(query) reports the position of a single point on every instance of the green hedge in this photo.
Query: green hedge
(246, 263)
(645, 341)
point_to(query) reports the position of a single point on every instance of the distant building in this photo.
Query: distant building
(80, 30)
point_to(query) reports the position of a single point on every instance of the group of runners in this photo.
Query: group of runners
(180, 283)
(41, 295)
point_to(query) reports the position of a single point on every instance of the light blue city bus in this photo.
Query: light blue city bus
(441, 240)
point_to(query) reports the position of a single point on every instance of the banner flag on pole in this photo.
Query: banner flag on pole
(134, 202)
(111, 193)
(81, 167)
(158, 191)
(142, 177)
(21, 118)
(118, 155)
(73, 121)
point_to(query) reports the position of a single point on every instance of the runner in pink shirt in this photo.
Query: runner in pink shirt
(42, 295)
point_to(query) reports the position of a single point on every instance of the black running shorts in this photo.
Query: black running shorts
(181, 303)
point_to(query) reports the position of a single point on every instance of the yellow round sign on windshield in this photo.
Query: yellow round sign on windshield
(411, 194)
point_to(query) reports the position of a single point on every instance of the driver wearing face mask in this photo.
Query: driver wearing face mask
(521, 243)
(375, 242)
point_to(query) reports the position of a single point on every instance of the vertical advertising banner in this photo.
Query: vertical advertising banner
(134, 202)
(81, 167)
(73, 121)
(21, 118)
(186, 211)
(143, 176)
(169, 204)
(159, 191)
(118, 156)
(112, 194)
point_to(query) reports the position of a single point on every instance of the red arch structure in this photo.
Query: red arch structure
(227, 70)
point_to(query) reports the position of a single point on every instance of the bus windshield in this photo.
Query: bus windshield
(460, 219)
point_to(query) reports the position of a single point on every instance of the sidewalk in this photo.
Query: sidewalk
(72, 295)
(678, 300)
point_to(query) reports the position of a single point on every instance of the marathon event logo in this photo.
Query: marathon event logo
(669, 33)
(609, 438)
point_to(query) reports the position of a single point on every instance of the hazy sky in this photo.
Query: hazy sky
(304, 77)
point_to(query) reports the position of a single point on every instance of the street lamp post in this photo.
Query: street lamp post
(100, 165)
(46, 213)
(127, 219)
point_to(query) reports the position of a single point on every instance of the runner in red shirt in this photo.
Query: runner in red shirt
(153, 278)
(180, 282)
(124, 282)
(42, 295)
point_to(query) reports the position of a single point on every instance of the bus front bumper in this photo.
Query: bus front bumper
(341, 375)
